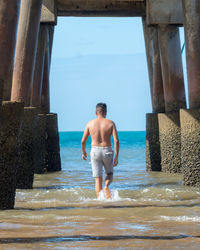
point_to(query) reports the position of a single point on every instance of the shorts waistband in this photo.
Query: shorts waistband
(97, 147)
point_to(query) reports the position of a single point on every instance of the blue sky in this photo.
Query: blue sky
(99, 60)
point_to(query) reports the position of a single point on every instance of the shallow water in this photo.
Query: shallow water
(147, 210)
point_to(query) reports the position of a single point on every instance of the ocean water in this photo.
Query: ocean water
(148, 210)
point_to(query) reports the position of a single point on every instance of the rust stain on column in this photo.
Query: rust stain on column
(25, 55)
(9, 12)
(172, 70)
(154, 67)
(39, 66)
(192, 38)
(45, 97)
(51, 36)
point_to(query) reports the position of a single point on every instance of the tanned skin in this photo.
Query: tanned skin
(100, 130)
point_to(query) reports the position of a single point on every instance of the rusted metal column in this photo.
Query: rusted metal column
(9, 12)
(190, 119)
(39, 66)
(154, 67)
(25, 55)
(172, 70)
(45, 97)
(192, 39)
(51, 37)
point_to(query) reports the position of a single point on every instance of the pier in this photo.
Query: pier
(29, 141)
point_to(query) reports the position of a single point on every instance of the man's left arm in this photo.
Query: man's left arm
(83, 142)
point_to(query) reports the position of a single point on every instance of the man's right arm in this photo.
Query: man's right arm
(83, 142)
(116, 144)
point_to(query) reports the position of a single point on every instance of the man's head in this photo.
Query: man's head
(101, 109)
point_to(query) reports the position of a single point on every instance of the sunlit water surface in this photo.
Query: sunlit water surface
(147, 210)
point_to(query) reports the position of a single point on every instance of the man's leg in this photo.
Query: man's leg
(98, 185)
(108, 181)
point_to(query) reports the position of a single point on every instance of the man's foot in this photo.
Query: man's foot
(107, 193)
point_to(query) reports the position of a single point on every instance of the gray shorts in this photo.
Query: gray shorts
(101, 157)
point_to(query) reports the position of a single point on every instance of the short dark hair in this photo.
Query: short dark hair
(101, 108)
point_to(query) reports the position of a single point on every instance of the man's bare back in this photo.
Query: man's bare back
(100, 130)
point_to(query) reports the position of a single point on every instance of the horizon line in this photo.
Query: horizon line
(118, 131)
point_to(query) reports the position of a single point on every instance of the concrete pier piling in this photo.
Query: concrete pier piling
(39, 67)
(11, 115)
(40, 148)
(174, 93)
(190, 146)
(172, 69)
(47, 152)
(25, 55)
(153, 157)
(52, 159)
(40, 152)
(190, 122)
(25, 173)
(9, 12)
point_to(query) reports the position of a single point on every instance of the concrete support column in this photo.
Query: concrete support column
(153, 158)
(40, 139)
(11, 115)
(9, 12)
(192, 40)
(27, 37)
(153, 155)
(25, 173)
(190, 146)
(174, 93)
(154, 67)
(45, 97)
(40, 145)
(26, 47)
(172, 69)
(39, 67)
(190, 119)
(52, 157)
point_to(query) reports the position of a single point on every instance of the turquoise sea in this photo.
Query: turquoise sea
(131, 157)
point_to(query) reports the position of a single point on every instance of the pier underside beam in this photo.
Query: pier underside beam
(164, 12)
(174, 93)
(114, 8)
(190, 122)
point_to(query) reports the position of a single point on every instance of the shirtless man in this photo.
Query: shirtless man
(100, 130)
